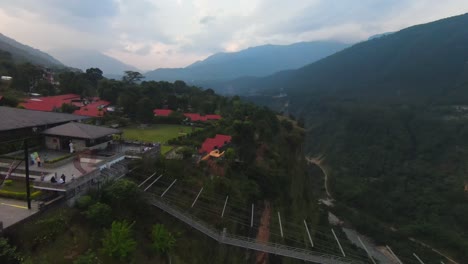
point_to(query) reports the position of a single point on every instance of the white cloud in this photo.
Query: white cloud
(168, 33)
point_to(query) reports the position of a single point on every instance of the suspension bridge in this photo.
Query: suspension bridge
(185, 204)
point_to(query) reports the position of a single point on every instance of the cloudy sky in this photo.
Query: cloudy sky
(171, 33)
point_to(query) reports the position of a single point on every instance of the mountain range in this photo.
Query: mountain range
(22, 53)
(256, 61)
(419, 61)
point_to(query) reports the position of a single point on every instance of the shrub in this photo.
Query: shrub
(59, 158)
(18, 195)
(163, 240)
(8, 182)
(123, 192)
(88, 258)
(49, 228)
(117, 241)
(99, 214)
(84, 202)
(8, 253)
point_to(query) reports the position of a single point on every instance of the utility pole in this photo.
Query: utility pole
(26, 167)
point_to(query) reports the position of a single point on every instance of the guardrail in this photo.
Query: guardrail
(249, 243)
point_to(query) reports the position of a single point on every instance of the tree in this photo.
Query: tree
(8, 253)
(163, 240)
(180, 87)
(118, 242)
(68, 108)
(144, 110)
(124, 192)
(100, 214)
(186, 152)
(94, 75)
(132, 77)
(27, 77)
(230, 154)
(109, 90)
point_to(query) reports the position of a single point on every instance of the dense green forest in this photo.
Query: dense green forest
(389, 116)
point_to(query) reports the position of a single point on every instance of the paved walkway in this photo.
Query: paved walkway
(12, 211)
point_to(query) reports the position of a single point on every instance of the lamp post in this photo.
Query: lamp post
(26, 167)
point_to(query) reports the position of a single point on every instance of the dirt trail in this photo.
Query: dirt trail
(318, 161)
(263, 234)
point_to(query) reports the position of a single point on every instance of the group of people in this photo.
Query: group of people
(61, 180)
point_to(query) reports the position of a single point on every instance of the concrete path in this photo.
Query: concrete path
(12, 211)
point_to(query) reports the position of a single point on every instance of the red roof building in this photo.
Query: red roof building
(214, 143)
(194, 117)
(162, 112)
(95, 108)
(49, 103)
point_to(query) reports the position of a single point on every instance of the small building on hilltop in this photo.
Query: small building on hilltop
(218, 142)
(82, 136)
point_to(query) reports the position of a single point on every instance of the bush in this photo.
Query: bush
(88, 258)
(8, 182)
(163, 240)
(8, 253)
(99, 214)
(84, 202)
(59, 158)
(117, 241)
(124, 193)
(48, 229)
(18, 195)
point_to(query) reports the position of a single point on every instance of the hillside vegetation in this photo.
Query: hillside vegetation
(389, 116)
(22, 53)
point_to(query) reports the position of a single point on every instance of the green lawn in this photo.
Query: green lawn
(157, 133)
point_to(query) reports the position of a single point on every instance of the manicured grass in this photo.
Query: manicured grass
(157, 133)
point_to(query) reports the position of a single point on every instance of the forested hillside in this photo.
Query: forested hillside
(22, 53)
(389, 116)
(415, 63)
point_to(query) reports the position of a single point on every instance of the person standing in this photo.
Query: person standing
(71, 147)
(38, 160)
(63, 178)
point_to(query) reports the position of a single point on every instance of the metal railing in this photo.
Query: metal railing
(249, 243)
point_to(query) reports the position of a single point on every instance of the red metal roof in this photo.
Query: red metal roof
(213, 117)
(217, 142)
(197, 117)
(50, 103)
(162, 112)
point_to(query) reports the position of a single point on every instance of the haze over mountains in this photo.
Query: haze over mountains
(85, 59)
(255, 61)
(22, 53)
